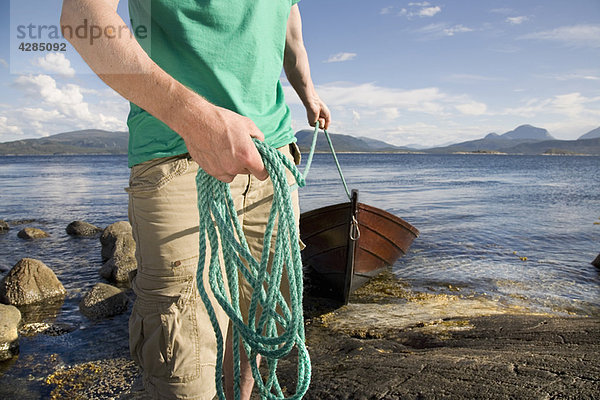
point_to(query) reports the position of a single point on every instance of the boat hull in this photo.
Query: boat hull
(349, 243)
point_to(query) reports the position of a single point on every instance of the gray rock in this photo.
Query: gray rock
(122, 261)
(596, 262)
(9, 335)
(109, 237)
(82, 228)
(4, 227)
(30, 281)
(103, 301)
(32, 233)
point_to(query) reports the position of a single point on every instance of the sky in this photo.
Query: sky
(423, 73)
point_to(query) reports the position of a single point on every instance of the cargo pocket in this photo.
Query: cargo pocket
(147, 342)
(153, 175)
(164, 336)
(181, 328)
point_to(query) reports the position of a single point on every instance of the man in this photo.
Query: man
(205, 85)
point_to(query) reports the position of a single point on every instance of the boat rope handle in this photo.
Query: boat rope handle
(221, 232)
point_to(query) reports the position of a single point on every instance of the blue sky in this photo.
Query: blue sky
(406, 72)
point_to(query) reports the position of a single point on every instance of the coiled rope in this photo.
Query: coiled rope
(220, 229)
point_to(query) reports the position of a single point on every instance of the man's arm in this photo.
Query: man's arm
(219, 140)
(297, 70)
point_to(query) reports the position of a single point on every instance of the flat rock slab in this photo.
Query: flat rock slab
(491, 357)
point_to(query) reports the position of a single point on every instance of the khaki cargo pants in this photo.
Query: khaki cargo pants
(171, 336)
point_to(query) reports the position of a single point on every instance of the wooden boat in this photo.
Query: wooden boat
(349, 243)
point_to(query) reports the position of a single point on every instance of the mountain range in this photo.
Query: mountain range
(525, 139)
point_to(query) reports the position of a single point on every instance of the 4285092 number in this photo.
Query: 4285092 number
(34, 46)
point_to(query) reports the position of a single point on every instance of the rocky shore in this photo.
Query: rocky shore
(390, 342)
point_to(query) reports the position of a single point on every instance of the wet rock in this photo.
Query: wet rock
(122, 263)
(596, 262)
(9, 336)
(118, 251)
(102, 379)
(491, 357)
(110, 235)
(103, 301)
(32, 233)
(30, 281)
(4, 227)
(82, 228)
(46, 328)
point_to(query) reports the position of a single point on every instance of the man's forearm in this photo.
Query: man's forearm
(295, 61)
(123, 65)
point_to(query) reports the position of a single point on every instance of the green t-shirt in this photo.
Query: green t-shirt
(228, 51)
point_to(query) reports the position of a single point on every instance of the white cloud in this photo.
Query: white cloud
(517, 20)
(3, 62)
(456, 29)
(473, 108)
(429, 11)
(418, 9)
(340, 57)
(355, 116)
(572, 105)
(391, 112)
(436, 31)
(7, 129)
(386, 10)
(49, 107)
(56, 63)
(576, 35)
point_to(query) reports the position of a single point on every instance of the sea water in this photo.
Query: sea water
(519, 231)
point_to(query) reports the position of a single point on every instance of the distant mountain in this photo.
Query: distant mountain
(345, 143)
(595, 133)
(527, 132)
(564, 147)
(90, 141)
(500, 143)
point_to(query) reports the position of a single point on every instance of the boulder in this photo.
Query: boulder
(30, 281)
(32, 233)
(596, 262)
(103, 301)
(4, 227)
(109, 237)
(10, 317)
(82, 228)
(122, 261)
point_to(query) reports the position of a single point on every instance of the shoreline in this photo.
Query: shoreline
(392, 343)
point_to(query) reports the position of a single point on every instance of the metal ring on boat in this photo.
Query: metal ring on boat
(354, 229)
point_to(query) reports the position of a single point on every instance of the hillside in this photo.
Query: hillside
(345, 143)
(90, 141)
(525, 139)
(593, 134)
(560, 147)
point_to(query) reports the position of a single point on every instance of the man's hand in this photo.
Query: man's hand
(316, 110)
(221, 143)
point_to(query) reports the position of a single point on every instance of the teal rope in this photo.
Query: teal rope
(311, 153)
(220, 229)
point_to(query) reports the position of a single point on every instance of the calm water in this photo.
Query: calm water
(478, 215)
